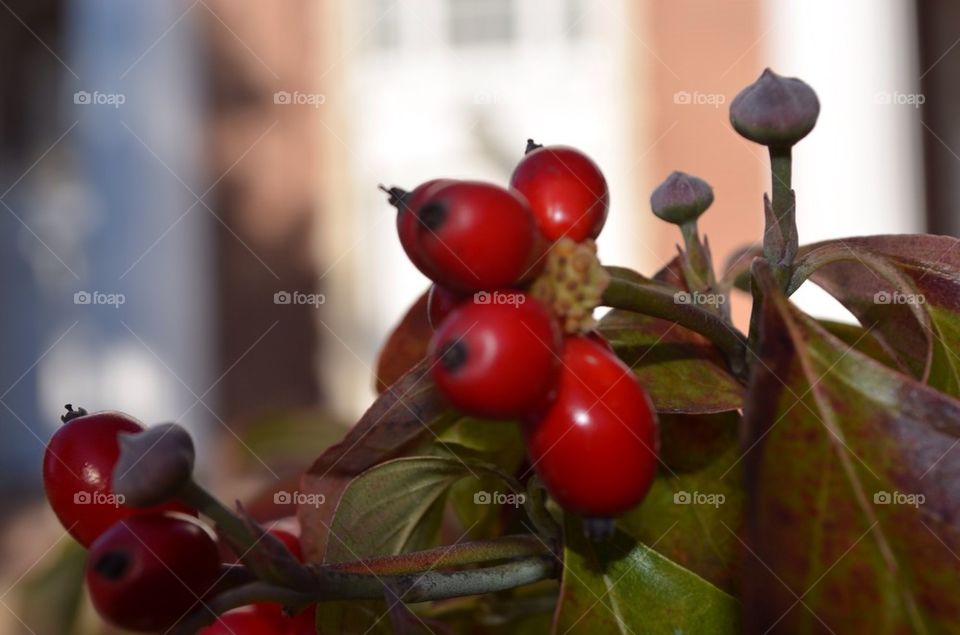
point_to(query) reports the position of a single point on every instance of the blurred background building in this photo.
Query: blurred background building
(190, 227)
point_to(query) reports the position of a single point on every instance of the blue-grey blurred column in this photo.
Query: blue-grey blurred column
(123, 285)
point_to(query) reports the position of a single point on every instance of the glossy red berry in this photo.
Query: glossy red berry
(566, 191)
(440, 303)
(148, 571)
(78, 470)
(247, 620)
(595, 336)
(407, 224)
(497, 355)
(595, 446)
(473, 236)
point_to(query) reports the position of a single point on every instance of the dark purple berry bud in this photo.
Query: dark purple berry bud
(681, 198)
(775, 111)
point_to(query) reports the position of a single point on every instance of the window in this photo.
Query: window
(475, 22)
(384, 24)
(575, 18)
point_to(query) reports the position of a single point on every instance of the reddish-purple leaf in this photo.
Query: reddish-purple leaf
(405, 346)
(853, 477)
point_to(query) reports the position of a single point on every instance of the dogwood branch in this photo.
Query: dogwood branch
(655, 300)
(330, 582)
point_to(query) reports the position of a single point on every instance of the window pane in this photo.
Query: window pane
(385, 31)
(481, 21)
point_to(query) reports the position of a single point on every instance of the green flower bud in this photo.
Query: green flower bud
(681, 198)
(154, 465)
(775, 111)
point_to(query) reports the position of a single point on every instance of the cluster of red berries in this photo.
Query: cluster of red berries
(146, 568)
(515, 280)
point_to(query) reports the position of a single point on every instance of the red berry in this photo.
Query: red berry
(78, 471)
(475, 236)
(595, 446)
(566, 191)
(595, 336)
(407, 223)
(440, 303)
(304, 623)
(246, 620)
(147, 572)
(498, 355)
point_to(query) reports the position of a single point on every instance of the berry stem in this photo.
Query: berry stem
(227, 522)
(697, 270)
(435, 584)
(658, 301)
(243, 537)
(72, 413)
(780, 235)
(447, 556)
(697, 266)
(330, 582)
(536, 508)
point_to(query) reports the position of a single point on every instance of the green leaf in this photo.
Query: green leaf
(526, 610)
(682, 371)
(860, 339)
(485, 440)
(395, 507)
(623, 586)
(853, 482)
(358, 617)
(695, 508)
